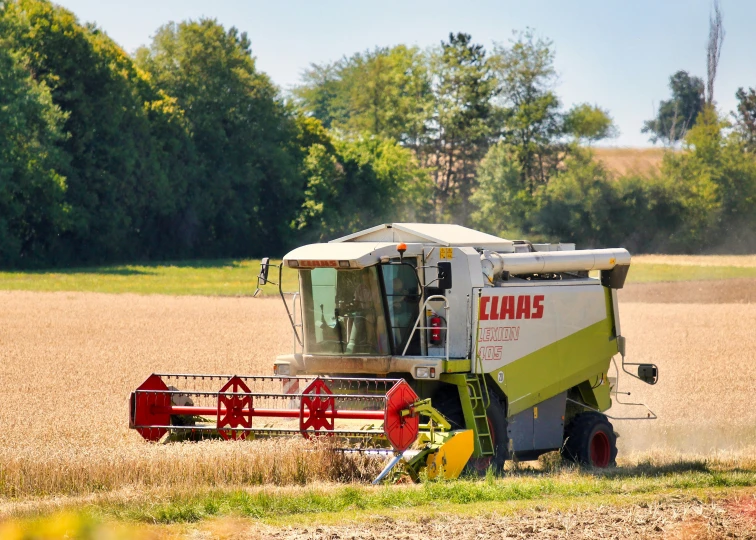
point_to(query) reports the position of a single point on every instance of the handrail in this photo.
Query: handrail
(435, 297)
(295, 324)
(650, 415)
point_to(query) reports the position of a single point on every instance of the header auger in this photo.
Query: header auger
(441, 345)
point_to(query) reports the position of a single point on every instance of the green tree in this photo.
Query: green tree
(323, 94)
(244, 135)
(678, 114)
(353, 185)
(31, 190)
(115, 182)
(532, 119)
(716, 179)
(503, 205)
(463, 122)
(389, 94)
(583, 204)
(745, 117)
(576, 204)
(384, 92)
(647, 215)
(589, 123)
(172, 218)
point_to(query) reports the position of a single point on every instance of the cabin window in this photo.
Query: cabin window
(403, 302)
(343, 312)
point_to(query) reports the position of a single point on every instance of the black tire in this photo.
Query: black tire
(589, 439)
(451, 408)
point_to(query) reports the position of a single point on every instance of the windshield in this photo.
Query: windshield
(343, 312)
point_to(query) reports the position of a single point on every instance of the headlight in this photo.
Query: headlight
(282, 369)
(422, 372)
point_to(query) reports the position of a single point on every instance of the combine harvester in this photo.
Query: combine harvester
(443, 346)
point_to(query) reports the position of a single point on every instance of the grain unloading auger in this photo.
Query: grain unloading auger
(509, 359)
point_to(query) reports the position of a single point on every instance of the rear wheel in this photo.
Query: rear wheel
(590, 440)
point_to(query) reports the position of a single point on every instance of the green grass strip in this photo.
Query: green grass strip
(206, 278)
(650, 273)
(275, 504)
(239, 278)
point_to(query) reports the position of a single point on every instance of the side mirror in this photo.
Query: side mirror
(648, 373)
(444, 275)
(262, 278)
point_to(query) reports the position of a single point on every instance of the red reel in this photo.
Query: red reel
(401, 431)
(318, 401)
(142, 409)
(238, 409)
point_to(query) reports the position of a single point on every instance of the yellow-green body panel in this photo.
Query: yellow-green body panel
(583, 356)
(457, 366)
(579, 360)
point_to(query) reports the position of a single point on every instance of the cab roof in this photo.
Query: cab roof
(439, 234)
(368, 247)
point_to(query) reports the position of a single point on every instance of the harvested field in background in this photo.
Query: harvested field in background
(706, 355)
(623, 161)
(730, 291)
(69, 361)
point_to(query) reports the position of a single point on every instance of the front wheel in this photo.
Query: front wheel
(497, 425)
(590, 440)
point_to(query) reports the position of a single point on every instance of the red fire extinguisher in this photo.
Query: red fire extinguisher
(435, 333)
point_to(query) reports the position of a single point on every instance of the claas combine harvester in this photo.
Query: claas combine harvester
(439, 345)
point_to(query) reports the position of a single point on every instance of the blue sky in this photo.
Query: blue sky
(617, 54)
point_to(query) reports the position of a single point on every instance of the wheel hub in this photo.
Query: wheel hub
(600, 450)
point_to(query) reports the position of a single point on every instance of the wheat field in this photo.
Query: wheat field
(69, 361)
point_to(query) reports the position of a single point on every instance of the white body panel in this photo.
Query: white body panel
(517, 320)
(466, 276)
(561, 246)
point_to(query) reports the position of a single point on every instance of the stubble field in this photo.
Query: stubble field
(69, 360)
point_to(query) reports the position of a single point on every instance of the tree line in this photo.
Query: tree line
(187, 150)
(184, 150)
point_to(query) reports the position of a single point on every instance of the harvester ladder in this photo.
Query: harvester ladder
(479, 403)
(479, 398)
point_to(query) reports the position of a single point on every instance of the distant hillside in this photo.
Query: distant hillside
(621, 161)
